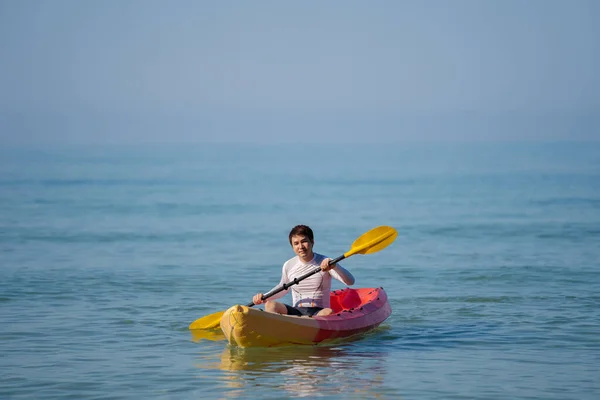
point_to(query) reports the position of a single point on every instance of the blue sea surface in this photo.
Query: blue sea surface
(108, 253)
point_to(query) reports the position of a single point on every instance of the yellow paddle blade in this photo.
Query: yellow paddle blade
(208, 322)
(373, 241)
(214, 335)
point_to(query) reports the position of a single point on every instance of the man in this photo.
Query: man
(310, 296)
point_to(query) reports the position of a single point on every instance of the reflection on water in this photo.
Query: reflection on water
(304, 359)
(301, 370)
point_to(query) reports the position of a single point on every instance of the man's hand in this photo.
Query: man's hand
(325, 265)
(258, 298)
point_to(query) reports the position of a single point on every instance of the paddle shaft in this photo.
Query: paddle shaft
(296, 280)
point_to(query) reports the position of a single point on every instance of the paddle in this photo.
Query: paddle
(370, 242)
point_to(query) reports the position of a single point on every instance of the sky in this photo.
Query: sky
(311, 71)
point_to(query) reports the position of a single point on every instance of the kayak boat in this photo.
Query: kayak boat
(354, 311)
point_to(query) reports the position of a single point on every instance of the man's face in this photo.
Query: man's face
(302, 246)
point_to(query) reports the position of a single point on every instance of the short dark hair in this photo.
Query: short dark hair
(302, 230)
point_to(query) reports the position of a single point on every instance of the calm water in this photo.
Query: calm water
(108, 253)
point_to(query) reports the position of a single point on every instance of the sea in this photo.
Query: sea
(108, 253)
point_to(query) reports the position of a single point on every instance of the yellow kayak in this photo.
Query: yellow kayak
(354, 311)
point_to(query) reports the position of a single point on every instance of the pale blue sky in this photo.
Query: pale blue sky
(112, 70)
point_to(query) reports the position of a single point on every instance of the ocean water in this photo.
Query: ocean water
(108, 253)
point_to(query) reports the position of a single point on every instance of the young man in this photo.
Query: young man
(310, 296)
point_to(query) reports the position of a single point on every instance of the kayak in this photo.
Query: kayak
(354, 311)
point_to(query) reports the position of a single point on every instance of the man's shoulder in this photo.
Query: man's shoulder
(290, 262)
